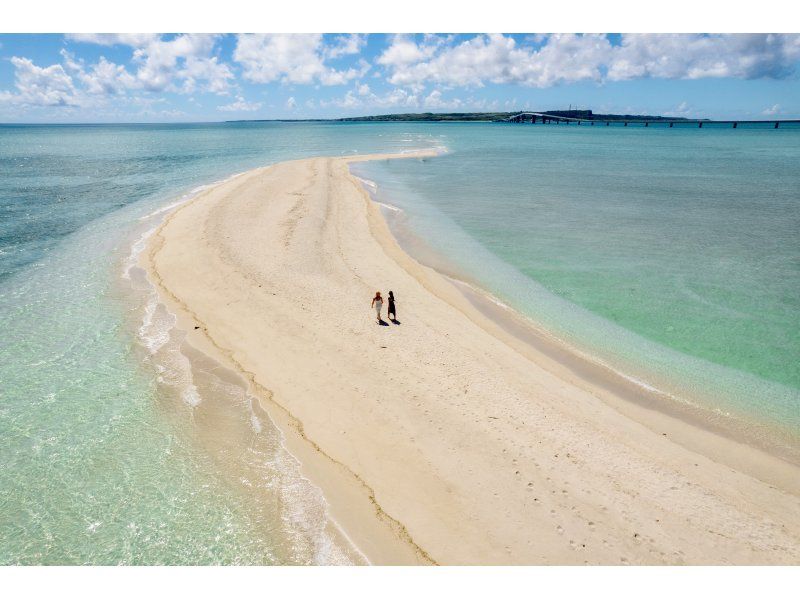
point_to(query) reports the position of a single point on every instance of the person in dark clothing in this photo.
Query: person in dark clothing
(392, 312)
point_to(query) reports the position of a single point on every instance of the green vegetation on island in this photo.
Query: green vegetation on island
(479, 117)
(500, 116)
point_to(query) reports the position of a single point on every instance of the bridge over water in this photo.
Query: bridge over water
(545, 118)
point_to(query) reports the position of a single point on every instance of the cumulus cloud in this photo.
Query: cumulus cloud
(344, 45)
(695, 56)
(103, 77)
(434, 100)
(348, 101)
(411, 72)
(111, 39)
(681, 110)
(404, 99)
(495, 58)
(42, 86)
(205, 74)
(772, 110)
(182, 64)
(240, 105)
(393, 98)
(292, 58)
(566, 58)
(403, 51)
(187, 58)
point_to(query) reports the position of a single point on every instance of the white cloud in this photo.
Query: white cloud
(435, 101)
(182, 64)
(482, 105)
(101, 78)
(696, 56)
(185, 57)
(240, 105)
(42, 86)
(403, 51)
(105, 77)
(682, 110)
(111, 39)
(496, 58)
(566, 58)
(344, 45)
(394, 98)
(362, 97)
(289, 57)
(216, 75)
(349, 101)
(421, 71)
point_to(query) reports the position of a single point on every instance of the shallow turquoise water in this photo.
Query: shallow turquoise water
(115, 450)
(673, 254)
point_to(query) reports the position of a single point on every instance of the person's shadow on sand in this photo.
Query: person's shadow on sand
(381, 322)
(395, 321)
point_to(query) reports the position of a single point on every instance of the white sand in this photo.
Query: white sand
(443, 439)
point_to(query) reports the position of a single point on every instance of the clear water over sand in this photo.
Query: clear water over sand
(117, 448)
(671, 253)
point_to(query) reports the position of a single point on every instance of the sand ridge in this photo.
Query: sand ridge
(464, 449)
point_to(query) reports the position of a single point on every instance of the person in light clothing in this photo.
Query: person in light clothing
(377, 303)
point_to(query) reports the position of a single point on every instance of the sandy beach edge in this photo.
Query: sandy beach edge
(382, 537)
(690, 425)
(358, 523)
(635, 397)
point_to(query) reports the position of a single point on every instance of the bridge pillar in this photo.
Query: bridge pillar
(735, 125)
(646, 124)
(776, 125)
(592, 123)
(607, 123)
(670, 125)
(626, 123)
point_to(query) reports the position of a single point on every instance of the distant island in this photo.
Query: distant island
(530, 116)
(500, 116)
(479, 117)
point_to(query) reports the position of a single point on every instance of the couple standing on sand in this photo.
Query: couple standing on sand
(377, 303)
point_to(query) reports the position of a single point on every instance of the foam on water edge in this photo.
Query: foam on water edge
(304, 511)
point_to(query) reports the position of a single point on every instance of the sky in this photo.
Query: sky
(206, 77)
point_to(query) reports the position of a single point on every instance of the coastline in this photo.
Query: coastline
(373, 471)
(636, 395)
